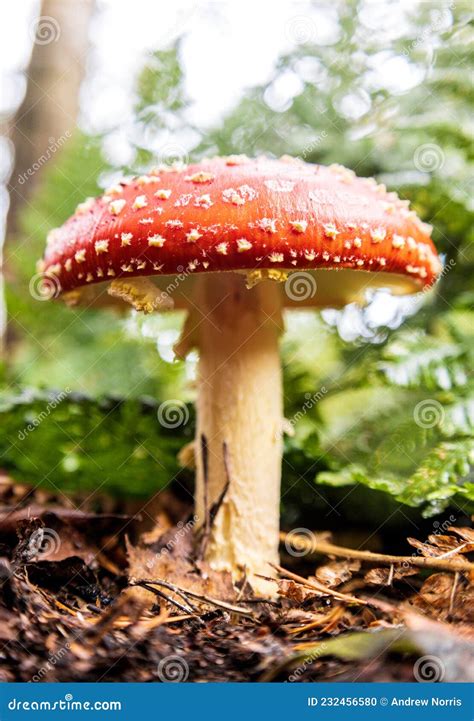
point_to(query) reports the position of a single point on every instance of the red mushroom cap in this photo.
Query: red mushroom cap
(236, 213)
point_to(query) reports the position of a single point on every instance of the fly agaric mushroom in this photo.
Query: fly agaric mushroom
(227, 230)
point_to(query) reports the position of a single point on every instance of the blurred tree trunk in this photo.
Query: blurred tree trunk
(47, 116)
(51, 103)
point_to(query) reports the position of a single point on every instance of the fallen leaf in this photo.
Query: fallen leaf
(384, 576)
(337, 572)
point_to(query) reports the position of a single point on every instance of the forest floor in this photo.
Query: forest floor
(71, 610)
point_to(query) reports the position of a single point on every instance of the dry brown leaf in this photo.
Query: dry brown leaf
(436, 590)
(384, 576)
(337, 572)
(446, 597)
(466, 533)
(446, 543)
(172, 567)
(430, 551)
(295, 591)
(450, 543)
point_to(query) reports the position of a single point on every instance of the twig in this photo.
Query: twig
(206, 529)
(453, 551)
(318, 586)
(205, 473)
(216, 506)
(324, 548)
(223, 604)
(211, 513)
(269, 601)
(172, 587)
(206, 599)
(453, 593)
(164, 596)
(151, 623)
(325, 624)
(93, 609)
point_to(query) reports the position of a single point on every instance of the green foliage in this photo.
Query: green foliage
(415, 359)
(68, 442)
(75, 443)
(355, 406)
(160, 85)
(433, 486)
(89, 351)
(365, 425)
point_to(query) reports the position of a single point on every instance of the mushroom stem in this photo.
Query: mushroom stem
(239, 417)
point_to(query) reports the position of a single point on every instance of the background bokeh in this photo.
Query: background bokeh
(380, 399)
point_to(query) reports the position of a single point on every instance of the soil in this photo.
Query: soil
(94, 594)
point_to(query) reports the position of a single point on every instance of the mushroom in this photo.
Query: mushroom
(234, 241)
